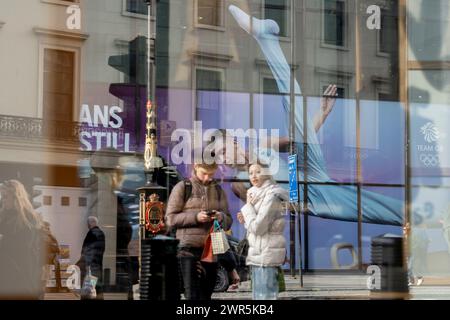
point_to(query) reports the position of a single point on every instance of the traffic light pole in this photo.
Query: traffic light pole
(150, 57)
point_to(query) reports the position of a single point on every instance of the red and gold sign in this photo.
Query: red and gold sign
(154, 214)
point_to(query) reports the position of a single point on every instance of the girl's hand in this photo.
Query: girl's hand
(250, 197)
(217, 216)
(240, 218)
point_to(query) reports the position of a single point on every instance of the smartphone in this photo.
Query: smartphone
(210, 212)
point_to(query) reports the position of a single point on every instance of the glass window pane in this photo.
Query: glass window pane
(137, 6)
(428, 31)
(209, 97)
(383, 205)
(429, 240)
(429, 112)
(334, 22)
(388, 31)
(338, 203)
(332, 155)
(382, 142)
(332, 244)
(383, 200)
(210, 12)
(278, 10)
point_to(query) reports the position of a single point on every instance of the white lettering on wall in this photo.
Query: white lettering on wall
(113, 113)
(102, 115)
(85, 115)
(73, 282)
(103, 128)
(73, 22)
(374, 279)
(374, 21)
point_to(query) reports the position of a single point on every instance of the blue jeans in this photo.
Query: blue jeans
(264, 283)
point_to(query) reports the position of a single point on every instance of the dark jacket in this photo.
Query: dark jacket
(92, 251)
(183, 216)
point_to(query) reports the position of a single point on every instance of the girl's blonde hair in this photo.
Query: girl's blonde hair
(25, 215)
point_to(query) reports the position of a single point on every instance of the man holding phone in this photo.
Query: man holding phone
(193, 218)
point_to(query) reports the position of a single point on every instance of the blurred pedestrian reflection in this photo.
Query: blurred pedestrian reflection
(22, 254)
(91, 258)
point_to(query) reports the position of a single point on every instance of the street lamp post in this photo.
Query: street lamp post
(158, 258)
(152, 161)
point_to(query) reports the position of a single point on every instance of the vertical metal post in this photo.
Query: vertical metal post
(292, 131)
(404, 99)
(304, 201)
(150, 57)
(299, 212)
(358, 130)
(152, 160)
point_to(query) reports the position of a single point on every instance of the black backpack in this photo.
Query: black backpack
(188, 190)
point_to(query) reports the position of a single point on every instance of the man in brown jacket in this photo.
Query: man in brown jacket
(192, 216)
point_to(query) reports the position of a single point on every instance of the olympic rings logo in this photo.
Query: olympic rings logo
(429, 160)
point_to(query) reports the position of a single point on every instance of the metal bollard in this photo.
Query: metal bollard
(159, 269)
(387, 253)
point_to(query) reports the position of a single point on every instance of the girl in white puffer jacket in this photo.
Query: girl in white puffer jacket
(263, 218)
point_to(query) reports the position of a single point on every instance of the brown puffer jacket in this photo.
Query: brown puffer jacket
(183, 216)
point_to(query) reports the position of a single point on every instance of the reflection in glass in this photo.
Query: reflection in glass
(369, 230)
(266, 34)
(326, 240)
(430, 225)
(382, 142)
(334, 21)
(210, 12)
(428, 32)
(337, 139)
(278, 10)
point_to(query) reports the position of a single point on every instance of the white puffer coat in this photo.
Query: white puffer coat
(264, 221)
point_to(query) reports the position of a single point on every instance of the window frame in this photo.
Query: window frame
(76, 78)
(127, 13)
(379, 52)
(222, 73)
(287, 37)
(263, 75)
(220, 27)
(62, 2)
(323, 44)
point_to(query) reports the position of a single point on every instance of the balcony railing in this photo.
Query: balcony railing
(39, 129)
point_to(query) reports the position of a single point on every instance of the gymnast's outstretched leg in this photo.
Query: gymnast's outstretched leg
(266, 33)
(338, 203)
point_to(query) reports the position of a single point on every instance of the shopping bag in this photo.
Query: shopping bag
(219, 240)
(242, 247)
(88, 289)
(281, 282)
(207, 255)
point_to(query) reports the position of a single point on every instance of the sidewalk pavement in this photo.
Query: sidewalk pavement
(323, 287)
(314, 287)
(340, 287)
